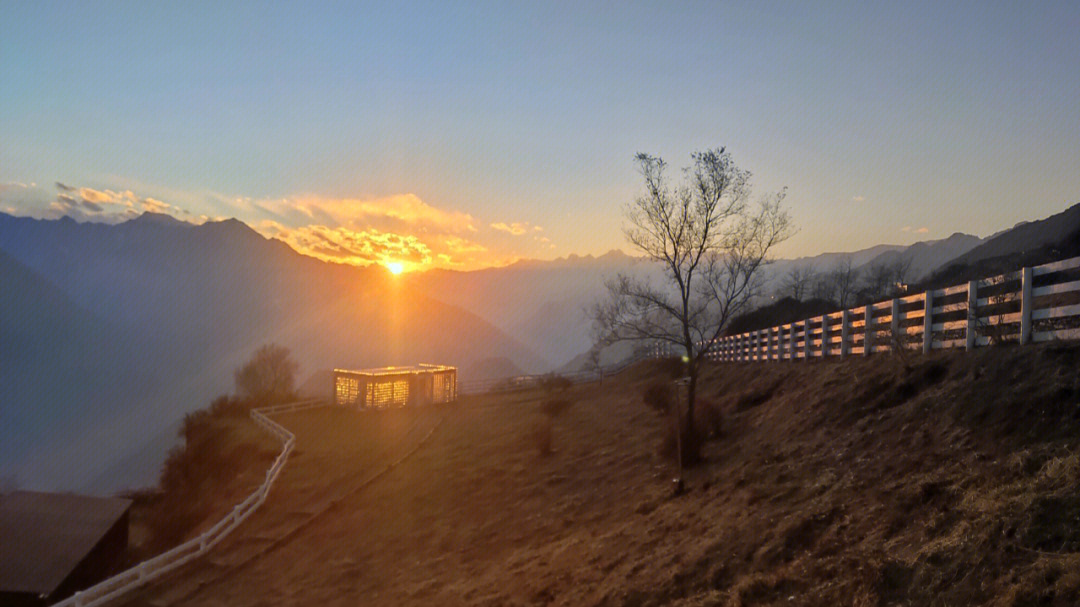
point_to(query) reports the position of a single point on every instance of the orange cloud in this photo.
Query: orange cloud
(370, 245)
(516, 228)
(399, 228)
(387, 213)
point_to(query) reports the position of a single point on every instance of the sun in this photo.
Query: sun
(395, 267)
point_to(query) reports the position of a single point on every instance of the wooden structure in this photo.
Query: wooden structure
(395, 386)
(54, 544)
(1029, 305)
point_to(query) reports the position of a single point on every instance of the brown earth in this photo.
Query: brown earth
(950, 479)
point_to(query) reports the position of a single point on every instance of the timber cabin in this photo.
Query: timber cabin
(389, 387)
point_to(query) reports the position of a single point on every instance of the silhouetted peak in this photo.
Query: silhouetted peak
(229, 227)
(157, 219)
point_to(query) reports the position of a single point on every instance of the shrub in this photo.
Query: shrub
(708, 418)
(554, 407)
(659, 395)
(552, 383)
(673, 367)
(541, 436)
(226, 406)
(691, 444)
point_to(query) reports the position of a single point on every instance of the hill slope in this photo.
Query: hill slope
(859, 482)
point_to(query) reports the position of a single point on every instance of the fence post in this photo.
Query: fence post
(928, 322)
(969, 332)
(868, 335)
(769, 343)
(1026, 305)
(845, 330)
(806, 351)
(895, 325)
(824, 335)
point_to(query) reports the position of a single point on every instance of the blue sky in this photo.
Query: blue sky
(466, 135)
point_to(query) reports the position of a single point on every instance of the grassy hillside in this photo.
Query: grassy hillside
(953, 479)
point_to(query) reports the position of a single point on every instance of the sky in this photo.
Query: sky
(464, 135)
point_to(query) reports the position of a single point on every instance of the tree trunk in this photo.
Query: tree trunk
(691, 391)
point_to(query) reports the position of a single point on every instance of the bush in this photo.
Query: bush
(226, 406)
(552, 383)
(541, 436)
(659, 395)
(268, 377)
(709, 420)
(708, 423)
(691, 445)
(554, 407)
(673, 367)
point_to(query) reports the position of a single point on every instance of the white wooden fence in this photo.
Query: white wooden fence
(153, 568)
(1034, 304)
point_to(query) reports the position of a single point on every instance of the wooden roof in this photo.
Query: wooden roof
(45, 535)
(400, 370)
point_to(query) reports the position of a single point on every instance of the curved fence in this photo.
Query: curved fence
(1035, 304)
(161, 564)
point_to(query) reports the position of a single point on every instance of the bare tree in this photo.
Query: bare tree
(798, 282)
(268, 377)
(886, 278)
(844, 279)
(877, 281)
(822, 287)
(711, 244)
(901, 269)
(592, 362)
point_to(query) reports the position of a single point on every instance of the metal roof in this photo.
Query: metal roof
(421, 368)
(43, 536)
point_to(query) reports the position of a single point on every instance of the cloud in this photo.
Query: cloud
(923, 230)
(858, 198)
(354, 230)
(401, 228)
(389, 213)
(357, 247)
(156, 206)
(516, 228)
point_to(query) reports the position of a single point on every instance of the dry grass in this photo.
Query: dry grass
(952, 480)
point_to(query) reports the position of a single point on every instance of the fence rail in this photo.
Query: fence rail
(1033, 304)
(161, 564)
